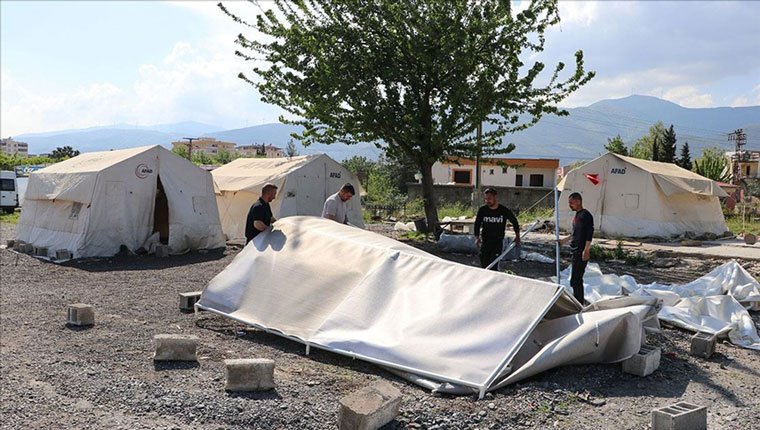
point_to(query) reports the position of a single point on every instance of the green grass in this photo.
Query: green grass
(528, 217)
(735, 225)
(599, 253)
(9, 218)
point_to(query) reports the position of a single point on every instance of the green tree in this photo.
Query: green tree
(62, 153)
(359, 166)
(413, 77)
(291, 150)
(668, 148)
(656, 152)
(642, 148)
(712, 164)
(616, 146)
(685, 159)
(224, 156)
(180, 150)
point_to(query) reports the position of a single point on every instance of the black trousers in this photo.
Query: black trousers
(488, 253)
(576, 277)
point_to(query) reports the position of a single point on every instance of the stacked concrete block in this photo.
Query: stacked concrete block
(10, 244)
(369, 408)
(644, 363)
(187, 301)
(26, 248)
(703, 344)
(40, 251)
(175, 347)
(249, 374)
(62, 254)
(162, 251)
(680, 416)
(81, 314)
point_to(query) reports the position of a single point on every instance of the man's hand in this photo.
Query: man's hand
(517, 240)
(477, 241)
(586, 254)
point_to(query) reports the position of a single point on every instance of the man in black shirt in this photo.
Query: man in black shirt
(580, 243)
(260, 215)
(493, 219)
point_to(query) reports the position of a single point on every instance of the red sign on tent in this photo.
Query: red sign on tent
(593, 177)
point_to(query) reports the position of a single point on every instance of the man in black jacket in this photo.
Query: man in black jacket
(493, 219)
(580, 243)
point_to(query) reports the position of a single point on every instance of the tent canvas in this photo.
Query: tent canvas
(304, 183)
(95, 202)
(638, 198)
(441, 324)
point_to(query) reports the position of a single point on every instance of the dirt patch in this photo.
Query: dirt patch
(54, 376)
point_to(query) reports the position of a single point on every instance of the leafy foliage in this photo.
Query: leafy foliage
(291, 150)
(616, 146)
(642, 148)
(63, 153)
(9, 162)
(712, 164)
(412, 77)
(668, 149)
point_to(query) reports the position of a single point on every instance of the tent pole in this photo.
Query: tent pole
(556, 225)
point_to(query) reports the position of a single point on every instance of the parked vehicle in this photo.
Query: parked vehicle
(8, 191)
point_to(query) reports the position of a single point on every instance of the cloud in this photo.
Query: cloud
(687, 96)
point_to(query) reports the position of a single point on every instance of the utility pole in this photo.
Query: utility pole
(740, 138)
(190, 146)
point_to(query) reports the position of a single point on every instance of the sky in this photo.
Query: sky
(67, 65)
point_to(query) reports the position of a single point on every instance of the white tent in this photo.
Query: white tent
(303, 185)
(95, 202)
(441, 324)
(638, 198)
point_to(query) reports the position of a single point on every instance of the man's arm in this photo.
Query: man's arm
(588, 236)
(478, 223)
(330, 210)
(259, 225)
(515, 224)
(258, 218)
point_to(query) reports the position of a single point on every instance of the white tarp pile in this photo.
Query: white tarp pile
(715, 303)
(443, 325)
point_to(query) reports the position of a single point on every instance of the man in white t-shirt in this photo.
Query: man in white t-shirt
(336, 206)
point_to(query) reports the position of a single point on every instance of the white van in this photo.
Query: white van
(8, 191)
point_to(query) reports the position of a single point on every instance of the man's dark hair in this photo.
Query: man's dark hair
(267, 188)
(349, 188)
(576, 196)
(490, 191)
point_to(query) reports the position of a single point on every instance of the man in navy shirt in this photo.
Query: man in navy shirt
(493, 219)
(260, 215)
(580, 243)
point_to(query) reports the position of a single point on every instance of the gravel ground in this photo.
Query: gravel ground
(54, 376)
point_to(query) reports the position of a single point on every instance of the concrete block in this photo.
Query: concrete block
(162, 251)
(18, 245)
(369, 408)
(643, 337)
(703, 344)
(248, 374)
(81, 314)
(187, 300)
(62, 254)
(644, 363)
(40, 251)
(175, 347)
(680, 416)
(10, 244)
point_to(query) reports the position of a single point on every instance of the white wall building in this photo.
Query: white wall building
(499, 172)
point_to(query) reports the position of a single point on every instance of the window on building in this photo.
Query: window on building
(518, 181)
(490, 172)
(504, 170)
(747, 170)
(536, 180)
(462, 177)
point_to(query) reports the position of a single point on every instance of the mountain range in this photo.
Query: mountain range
(579, 136)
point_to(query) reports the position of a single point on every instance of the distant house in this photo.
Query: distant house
(748, 164)
(263, 150)
(209, 145)
(497, 172)
(11, 147)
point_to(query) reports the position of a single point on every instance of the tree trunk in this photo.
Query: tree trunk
(431, 209)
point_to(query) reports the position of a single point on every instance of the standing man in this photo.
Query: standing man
(260, 215)
(580, 243)
(493, 218)
(336, 206)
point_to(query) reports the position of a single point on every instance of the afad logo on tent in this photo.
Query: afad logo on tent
(143, 171)
(593, 177)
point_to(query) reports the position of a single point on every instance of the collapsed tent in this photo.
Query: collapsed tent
(303, 185)
(96, 202)
(715, 303)
(637, 198)
(446, 326)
